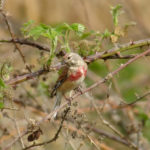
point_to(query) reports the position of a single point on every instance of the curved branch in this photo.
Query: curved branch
(28, 76)
(108, 54)
(26, 42)
(111, 136)
(111, 52)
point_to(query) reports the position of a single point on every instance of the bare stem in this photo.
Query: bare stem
(13, 38)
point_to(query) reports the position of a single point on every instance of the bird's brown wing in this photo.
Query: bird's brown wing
(62, 78)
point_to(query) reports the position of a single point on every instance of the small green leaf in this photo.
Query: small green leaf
(115, 13)
(36, 32)
(2, 84)
(1, 105)
(106, 34)
(87, 34)
(63, 28)
(130, 24)
(27, 26)
(29, 23)
(78, 28)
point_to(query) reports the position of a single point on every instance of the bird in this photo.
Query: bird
(71, 77)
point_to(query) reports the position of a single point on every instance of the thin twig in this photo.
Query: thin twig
(115, 50)
(8, 108)
(108, 54)
(134, 102)
(25, 77)
(18, 131)
(56, 135)
(16, 139)
(26, 42)
(111, 136)
(13, 38)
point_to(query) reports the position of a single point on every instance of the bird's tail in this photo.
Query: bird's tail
(57, 102)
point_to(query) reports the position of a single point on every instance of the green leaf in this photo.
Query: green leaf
(142, 116)
(37, 31)
(87, 34)
(115, 13)
(1, 105)
(78, 28)
(2, 84)
(106, 34)
(29, 23)
(27, 26)
(63, 28)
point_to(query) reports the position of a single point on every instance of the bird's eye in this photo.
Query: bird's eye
(69, 57)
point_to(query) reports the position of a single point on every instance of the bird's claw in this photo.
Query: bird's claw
(79, 89)
(69, 100)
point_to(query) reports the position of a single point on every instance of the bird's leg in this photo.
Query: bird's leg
(69, 99)
(79, 89)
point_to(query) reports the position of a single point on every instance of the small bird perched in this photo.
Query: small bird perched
(72, 75)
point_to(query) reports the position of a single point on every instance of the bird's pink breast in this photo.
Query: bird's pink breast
(78, 74)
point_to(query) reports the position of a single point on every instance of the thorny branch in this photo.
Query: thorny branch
(108, 54)
(22, 78)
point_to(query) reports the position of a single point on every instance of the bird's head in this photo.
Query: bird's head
(73, 59)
